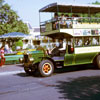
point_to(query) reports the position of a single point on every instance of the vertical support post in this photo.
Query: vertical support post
(71, 15)
(51, 15)
(89, 14)
(71, 11)
(58, 20)
(40, 21)
(57, 9)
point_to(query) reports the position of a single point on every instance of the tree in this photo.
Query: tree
(10, 21)
(19, 43)
(96, 2)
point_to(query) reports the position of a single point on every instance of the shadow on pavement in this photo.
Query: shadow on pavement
(75, 68)
(23, 75)
(20, 65)
(83, 88)
(27, 75)
(61, 70)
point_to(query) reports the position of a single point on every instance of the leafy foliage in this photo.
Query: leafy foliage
(96, 2)
(1, 2)
(9, 20)
(19, 43)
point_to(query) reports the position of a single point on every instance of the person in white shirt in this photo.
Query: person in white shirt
(95, 41)
(6, 48)
(59, 49)
(62, 45)
(75, 19)
(68, 21)
(62, 21)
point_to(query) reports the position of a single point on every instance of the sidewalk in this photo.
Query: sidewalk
(11, 69)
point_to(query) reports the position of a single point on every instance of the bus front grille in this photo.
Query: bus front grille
(25, 58)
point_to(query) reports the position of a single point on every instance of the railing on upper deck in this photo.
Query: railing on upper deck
(74, 23)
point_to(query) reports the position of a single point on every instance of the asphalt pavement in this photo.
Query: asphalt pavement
(11, 69)
(70, 83)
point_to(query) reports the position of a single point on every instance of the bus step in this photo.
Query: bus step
(59, 66)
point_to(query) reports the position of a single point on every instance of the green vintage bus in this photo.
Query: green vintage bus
(79, 26)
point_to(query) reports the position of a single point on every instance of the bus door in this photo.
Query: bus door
(69, 56)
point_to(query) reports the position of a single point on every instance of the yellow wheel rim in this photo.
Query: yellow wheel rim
(46, 68)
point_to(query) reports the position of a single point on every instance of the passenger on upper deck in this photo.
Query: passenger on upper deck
(68, 21)
(55, 21)
(75, 19)
(62, 21)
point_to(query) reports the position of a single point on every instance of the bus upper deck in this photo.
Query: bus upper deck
(72, 19)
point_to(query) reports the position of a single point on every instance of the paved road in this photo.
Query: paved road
(65, 84)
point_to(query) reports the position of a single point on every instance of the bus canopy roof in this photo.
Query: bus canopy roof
(74, 8)
(59, 35)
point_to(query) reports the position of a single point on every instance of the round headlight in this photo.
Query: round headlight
(31, 59)
(21, 60)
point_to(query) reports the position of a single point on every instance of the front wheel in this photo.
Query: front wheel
(46, 68)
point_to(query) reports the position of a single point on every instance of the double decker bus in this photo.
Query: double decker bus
(79, 26)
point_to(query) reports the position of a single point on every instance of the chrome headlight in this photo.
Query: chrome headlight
(21, 60)
(31, 60)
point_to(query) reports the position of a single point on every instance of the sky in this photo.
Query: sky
(28, 10)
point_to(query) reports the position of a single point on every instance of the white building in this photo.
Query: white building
(34, 33)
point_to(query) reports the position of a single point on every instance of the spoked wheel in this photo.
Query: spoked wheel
(46, 68)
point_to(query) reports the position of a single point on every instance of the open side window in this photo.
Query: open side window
(78, 42)
(70, 43)
(95, 41)
(87, 41)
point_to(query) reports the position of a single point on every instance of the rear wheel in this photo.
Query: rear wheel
(46, 68)
(98, 61)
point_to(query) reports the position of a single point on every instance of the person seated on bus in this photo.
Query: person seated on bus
(87, 42)
(62, 45)
(75, 19)
(55, 21)
(54, 51)
(62, 21)
(68, 21)
(59, 49)
(78, 42)
(95, 41)
(70, 45)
